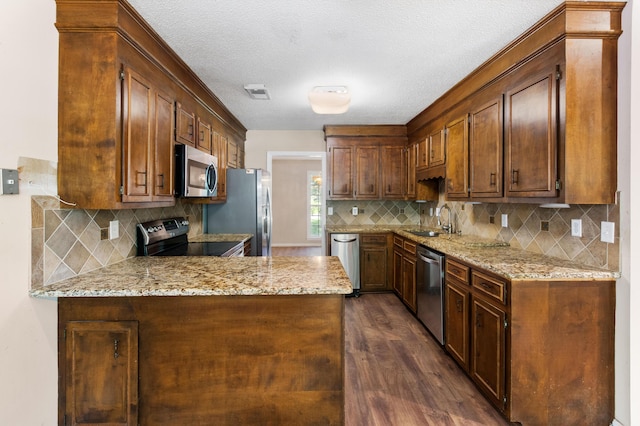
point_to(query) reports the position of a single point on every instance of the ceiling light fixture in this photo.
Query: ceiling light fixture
(257, 91)
(329, 99)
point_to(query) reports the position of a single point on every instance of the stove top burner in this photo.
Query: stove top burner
(168, 237)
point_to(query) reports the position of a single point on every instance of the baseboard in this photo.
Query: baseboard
(616, 423)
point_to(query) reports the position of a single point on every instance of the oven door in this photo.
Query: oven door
(196, 173)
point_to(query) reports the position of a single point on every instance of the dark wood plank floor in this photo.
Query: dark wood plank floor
(396, 372)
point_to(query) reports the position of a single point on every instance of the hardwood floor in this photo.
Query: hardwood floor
(397, 374)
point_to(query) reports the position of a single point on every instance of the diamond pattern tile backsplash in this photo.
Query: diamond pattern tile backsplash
(530, 227)
(68, 242)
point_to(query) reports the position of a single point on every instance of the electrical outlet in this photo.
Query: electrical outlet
(544, 225)
(438, 211)
(607, 230)
(505, 220)
(576, 227)
(330, 211)
(114, 229)
(354, 211)
(430, 211)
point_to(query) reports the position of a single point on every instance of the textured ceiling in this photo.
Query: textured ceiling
(396, 57)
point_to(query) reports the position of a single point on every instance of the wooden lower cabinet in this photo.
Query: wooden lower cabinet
(375, 268)
(101, 373)
(201, 360)
(404, 271)
(540, 351)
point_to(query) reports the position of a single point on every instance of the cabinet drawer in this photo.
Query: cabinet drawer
(409, 246)
(373, 239)
(458, 270)
(397, 241)
(492, 287)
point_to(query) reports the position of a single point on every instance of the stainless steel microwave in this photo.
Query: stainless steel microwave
(196, 173)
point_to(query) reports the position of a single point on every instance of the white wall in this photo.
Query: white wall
(28, 118)
(260, 141)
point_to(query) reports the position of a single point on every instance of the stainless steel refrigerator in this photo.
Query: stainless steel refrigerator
(247, 210)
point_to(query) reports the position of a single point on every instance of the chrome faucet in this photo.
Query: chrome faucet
(448, 228)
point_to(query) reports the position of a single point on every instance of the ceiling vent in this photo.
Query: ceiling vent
(257, 91)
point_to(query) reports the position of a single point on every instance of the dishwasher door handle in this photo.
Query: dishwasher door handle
(345, 241)
(427, 259)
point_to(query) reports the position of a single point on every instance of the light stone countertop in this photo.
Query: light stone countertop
(206, 276)
(494, 256)
(220, 238)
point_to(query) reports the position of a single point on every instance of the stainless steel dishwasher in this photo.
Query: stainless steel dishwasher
(347, 248)
(430, 291)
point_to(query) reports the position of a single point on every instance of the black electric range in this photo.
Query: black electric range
(168, 237)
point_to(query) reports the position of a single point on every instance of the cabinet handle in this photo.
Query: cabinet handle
(138, 180)
(161, 184)
(371, 190)
(459, 305)
(514, 176)
(190, 129)
(201, 135)
(432, 154)
(115, 349)
(479, 320)
(492, 179)
(485, 286)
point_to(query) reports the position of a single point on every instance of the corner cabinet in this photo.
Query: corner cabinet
(124, 100)
(518, 340)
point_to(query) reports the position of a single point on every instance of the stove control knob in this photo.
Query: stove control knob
(150, 229)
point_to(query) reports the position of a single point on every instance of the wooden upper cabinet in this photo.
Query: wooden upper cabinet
(99, 360)
(394, 174)
(423, 154)
(341, 172)
(148, 141)
(457, 142)
(367, 172)
(185, 125)
(437, 148)
(485, 149)
(411, 153)
(204, 136)
(531, 136)
(220, 152)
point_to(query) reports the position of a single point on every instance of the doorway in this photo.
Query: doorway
(298, 198)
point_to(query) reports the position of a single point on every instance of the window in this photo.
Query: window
(314, 205)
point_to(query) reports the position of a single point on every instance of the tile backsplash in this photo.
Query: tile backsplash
(69, 242)
(530, 227)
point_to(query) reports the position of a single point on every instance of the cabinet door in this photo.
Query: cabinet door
(138, 137)
(409, 282)
(485, 150)
(232, 154)
(164, 147)
(220, 151)
(457, 320)
(185, 125)
(373, 268)
(393, 172)
(397, 271)
(204, 136)
(488, 342)
(367, 172)
(457, 142)
(531, 137)
(341, 172)
(101, 373)
(423, 154)
(436, 148)
(411, 153)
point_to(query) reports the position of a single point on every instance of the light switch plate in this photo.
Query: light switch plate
(576, 227)
(330, 211)
(607, 231)
(505, 220)
(354, 211)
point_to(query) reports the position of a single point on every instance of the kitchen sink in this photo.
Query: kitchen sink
(425, 233)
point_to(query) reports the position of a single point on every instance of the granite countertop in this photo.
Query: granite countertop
(220, 238)
(495, 256)
(206, 276)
